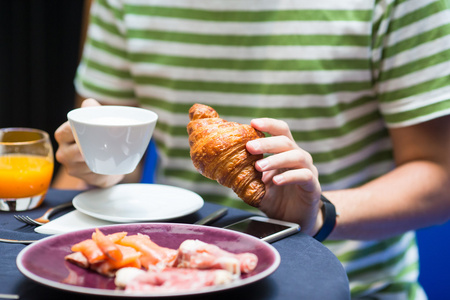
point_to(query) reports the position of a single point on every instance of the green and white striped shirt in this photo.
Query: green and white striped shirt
(338, 72)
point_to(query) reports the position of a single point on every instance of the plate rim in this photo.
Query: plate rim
(77, 199)
(121, 293)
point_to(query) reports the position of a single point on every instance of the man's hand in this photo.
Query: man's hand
(70, 157)
(292, 185)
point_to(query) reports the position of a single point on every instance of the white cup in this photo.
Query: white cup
(112, 139)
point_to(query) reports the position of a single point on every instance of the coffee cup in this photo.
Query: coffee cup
(112, 139)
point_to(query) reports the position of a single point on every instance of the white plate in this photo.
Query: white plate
(131, 202)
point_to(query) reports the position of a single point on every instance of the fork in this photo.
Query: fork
(45, 217)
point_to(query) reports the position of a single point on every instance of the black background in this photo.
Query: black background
(39, 51)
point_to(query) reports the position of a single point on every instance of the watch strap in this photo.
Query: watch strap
(329, 219)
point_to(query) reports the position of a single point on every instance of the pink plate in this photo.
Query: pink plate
(44, 262)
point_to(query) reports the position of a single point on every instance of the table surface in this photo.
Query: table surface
(308, 270)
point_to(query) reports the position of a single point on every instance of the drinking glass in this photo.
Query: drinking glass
(26, 168)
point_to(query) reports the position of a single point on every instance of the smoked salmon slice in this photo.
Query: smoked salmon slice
(153, 255)
(130, 258)
(90, 250)
(107, 246)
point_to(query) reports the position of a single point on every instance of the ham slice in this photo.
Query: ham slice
(195, 254)
(78, 259)
(170, 279)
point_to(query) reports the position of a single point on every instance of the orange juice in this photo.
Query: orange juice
(24, 175)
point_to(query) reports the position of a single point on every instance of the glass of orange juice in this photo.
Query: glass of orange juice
(26, 168)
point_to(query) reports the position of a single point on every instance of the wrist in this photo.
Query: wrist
(327, 219)
(319, 220)
(106, 181)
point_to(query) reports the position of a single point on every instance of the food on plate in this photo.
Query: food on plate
(90, 250)
(78, 259)
(218, 152)
(130, 258)
(107, 245)
(103, 254)
(153, 255)
(169, 279)
(196, 254)
(140, 264)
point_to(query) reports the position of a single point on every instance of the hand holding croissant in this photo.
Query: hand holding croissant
(218, 151)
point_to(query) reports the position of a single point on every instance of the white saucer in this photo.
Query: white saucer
(125, 203)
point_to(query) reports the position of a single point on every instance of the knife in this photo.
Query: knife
(212, 217)
(18, 241)
(9, 296)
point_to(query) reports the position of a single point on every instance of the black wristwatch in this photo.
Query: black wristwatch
(329, 219)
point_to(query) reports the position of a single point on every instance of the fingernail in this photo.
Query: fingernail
(262, 164)
(255, 144)
(257, 122)
(278, 179)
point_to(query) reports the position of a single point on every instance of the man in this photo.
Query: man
(353, 97)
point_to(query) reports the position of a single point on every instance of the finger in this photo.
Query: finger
(274, 144)
(293, 159)
(102, 181)
(63, 134)
(79, 169)
(273, 127)
(68, 154)
(304, 178)
(90, 102)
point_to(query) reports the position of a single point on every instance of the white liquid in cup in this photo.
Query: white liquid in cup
(112, 139)
(113, 121)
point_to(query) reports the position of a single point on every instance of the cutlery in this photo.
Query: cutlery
(206, 220)
(17, 241)
(9, 296)
(45, 217)
(212, 217)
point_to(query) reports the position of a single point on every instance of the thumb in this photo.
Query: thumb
(90, 102)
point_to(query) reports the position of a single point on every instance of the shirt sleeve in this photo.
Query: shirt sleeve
(411, 57)
(104, 70)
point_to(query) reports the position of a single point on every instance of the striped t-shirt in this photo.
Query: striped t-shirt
(338, 72)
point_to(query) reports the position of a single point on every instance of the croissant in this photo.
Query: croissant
(218, 152)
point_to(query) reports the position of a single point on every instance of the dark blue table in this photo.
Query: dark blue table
(308, 270)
